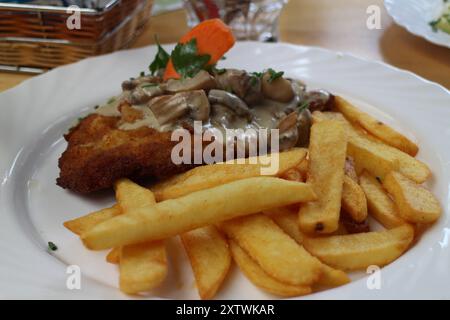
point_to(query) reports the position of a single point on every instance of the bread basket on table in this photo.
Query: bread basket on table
(35, 38)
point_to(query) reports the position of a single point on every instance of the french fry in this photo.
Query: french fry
(260, 278)
(377, 158)
(130, 195)
(287, 220)
(205, 177)
(84, 223)
(303, 169)
(380, 205)
(332, 277)
(142, 266)
(375, 127)
(210, 259)
(358, 251)
(198, 209)
(354, 200)
(274, 251)
(415, 203)
(327, 152)
(113, 256)
(293, 175)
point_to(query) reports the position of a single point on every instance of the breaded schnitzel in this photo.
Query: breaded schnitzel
(98, 154)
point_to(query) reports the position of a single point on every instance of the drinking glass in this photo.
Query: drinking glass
(249, 19)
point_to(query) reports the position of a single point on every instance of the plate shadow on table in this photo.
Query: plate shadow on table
(407, 51)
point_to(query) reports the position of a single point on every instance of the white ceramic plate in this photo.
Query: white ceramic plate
(415, 16)
(35, 115)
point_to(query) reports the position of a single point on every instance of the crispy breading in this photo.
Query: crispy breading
(98, 153)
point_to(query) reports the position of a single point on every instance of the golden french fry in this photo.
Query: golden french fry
(380, 205)
(327, 151)
(195, 210)
(210, 259)
(205, 177)
(274, 251)
(377, 128)
(358, 251)
(377, 158)
(143, 266)
(354, 200)
(287, 220)
(84, 223)
(332, 277)
(293, 174)
(261, 279)
(415, 203)
(113, 256)
(130, 195)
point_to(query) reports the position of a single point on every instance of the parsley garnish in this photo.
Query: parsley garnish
(52, 246)
(434, 24)
(161, 59)
(274, 75)
(186, 60)
(302, 106)
(148, 85)
(142, 74)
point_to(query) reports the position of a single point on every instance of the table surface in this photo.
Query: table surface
(336, 25)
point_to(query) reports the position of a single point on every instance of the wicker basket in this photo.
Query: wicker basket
(38, 39)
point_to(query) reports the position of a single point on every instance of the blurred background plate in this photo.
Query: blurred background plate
(416, 15)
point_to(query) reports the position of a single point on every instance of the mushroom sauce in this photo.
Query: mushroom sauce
(233, 99)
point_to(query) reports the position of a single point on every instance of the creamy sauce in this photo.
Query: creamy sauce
(111, 108)
(148, 120)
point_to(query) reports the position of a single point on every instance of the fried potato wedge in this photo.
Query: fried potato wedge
(205, 177)
(195, 210)
(358, 251)
(354, 200)
(332, 277)
(130, 195)
(84, 223)
(377, 158)
(113, 256)
(327, 152)
(210, 259)
(377, 128)
(143, 266)
(415, 203)
(350, 170)
(287, 220)
(274, 251)
(260, 278)
(380, 205)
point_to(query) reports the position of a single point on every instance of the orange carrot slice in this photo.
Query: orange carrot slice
(213, 37)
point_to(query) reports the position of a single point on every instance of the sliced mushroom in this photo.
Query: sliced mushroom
(279, 89)
(242, 84)
(203, 80)
(295, 129)
(230, 100)
(168, 109)
(319, 100)
(133, 83)
(304, 123)
(143, 93)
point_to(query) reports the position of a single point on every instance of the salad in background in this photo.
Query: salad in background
(442, 23)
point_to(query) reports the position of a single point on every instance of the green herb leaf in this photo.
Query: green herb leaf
(161, 59)
(52, 246)
(142, 74)
(186, 60)
(274, 75)
(149, 85)
(302, 106)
